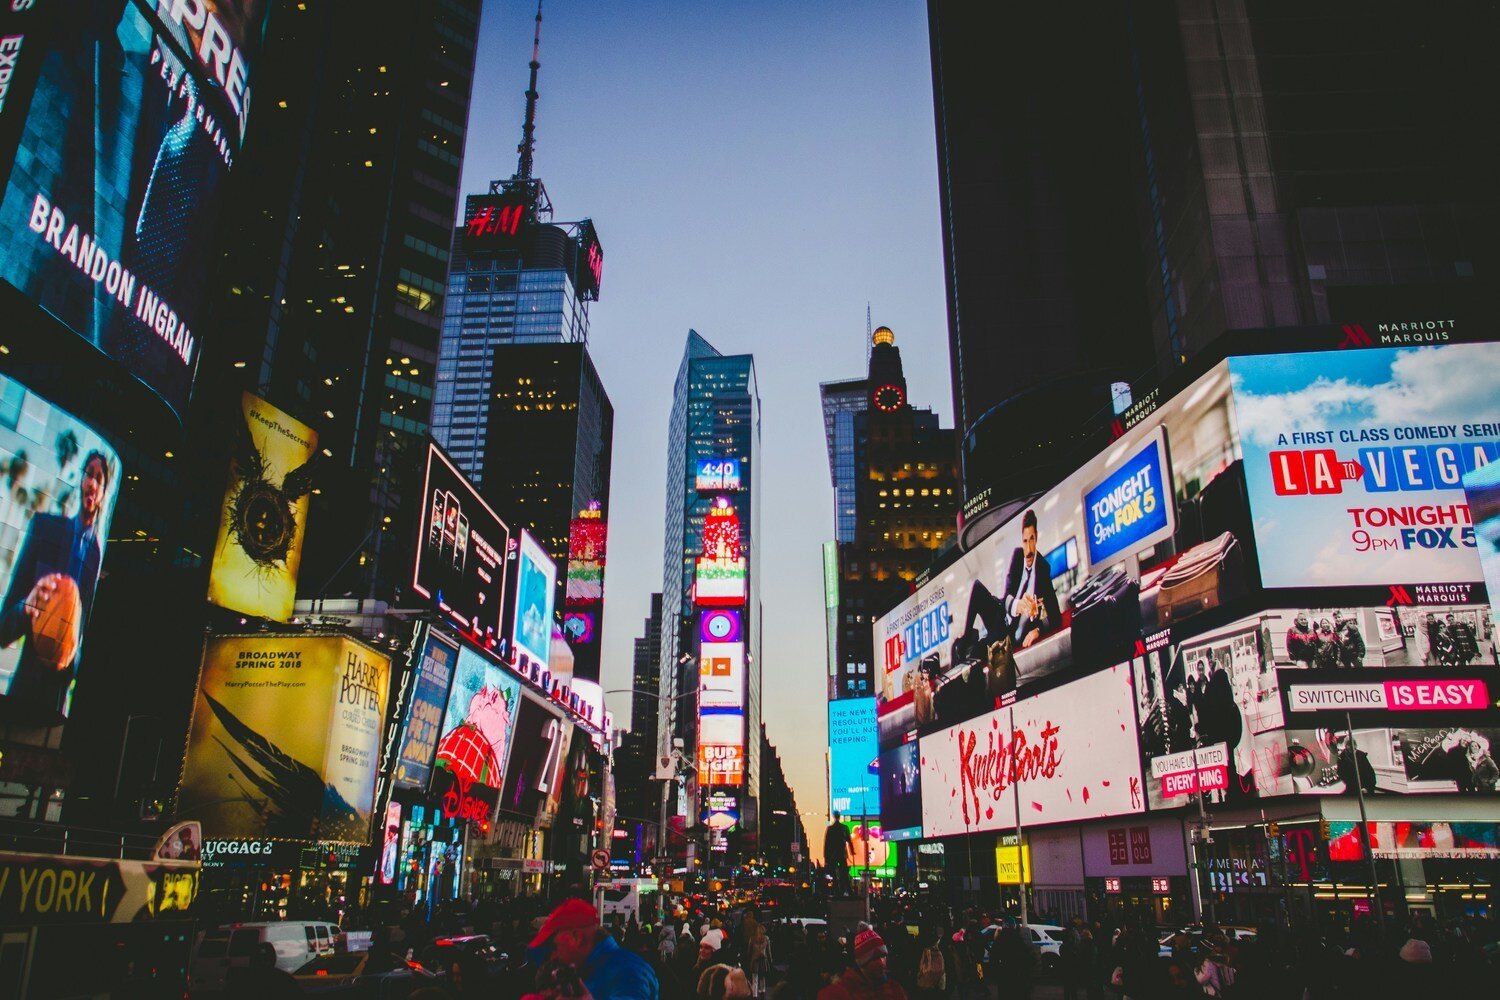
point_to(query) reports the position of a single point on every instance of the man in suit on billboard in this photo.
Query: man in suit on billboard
(1030, 600)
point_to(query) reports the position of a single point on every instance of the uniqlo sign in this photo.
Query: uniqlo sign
(1140, 845)
(1119, 847)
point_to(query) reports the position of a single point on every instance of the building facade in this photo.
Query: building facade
(715, 417)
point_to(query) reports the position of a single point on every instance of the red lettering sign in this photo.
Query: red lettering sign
(1119, 853)
(1140, 845)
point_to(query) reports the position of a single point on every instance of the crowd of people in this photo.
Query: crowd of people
(926, 950)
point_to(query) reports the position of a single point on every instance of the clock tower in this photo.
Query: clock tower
(886, 380)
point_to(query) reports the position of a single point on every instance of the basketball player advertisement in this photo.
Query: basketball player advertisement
(285, 739)
(259, 549)
(58, 484)
(1355, 462)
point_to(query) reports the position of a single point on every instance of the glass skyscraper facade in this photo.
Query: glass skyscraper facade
(521, 295)
(715, 414)
(841, 402)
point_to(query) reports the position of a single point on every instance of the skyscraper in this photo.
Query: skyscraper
(636, 794)
(518, 403)
(896, 492)
(715, 417)
(1187, 170)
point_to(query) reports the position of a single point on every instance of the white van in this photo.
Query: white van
(232, 946)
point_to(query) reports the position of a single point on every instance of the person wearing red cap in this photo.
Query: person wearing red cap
(573, 935)
(867, 979)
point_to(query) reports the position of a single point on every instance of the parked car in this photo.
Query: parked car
(220, 952)
(1046, 939)
(438, 956)
(1232, 932)
(362, 974)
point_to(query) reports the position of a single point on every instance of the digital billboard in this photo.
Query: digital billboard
(480, 722)
(1032, 606)
(718, 475)
(720, 625)
(588, 273)
(1415, 840)
(498, 221)
(259, 548)
(1132, 508)
(425, 710)
(1482, 487)
(720, 575)
(285, 738)
(461, 545)
(109, 219)
(537, 756)
(583, 597)
(854, 785)
(901, 792)
(1393, 759)
(60, 481)
(536, 592)
(1065, 755)
(721, 675)
(872, 853)
(721, 815)
(1355, 461)
(720, 764)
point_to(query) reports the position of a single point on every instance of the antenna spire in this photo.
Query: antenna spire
(528, 130)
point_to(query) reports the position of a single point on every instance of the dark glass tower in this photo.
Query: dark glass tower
(1113, 204)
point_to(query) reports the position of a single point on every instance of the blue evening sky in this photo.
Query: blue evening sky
(757, 171)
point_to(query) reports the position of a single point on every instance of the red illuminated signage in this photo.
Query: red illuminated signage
(1161, 886)
(495, 220)
(1119, 851)
(1112, 885)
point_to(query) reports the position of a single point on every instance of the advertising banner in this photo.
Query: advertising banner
(1066, 755)
(1133, 507)
(721, 675)
(1482, 488)
(721, 814)
(1032, 605)
(424, 714)
(1210, 715)
(872, 854)
(1394, 759)
(536, 592)
(852, 750)
(60, 482)
(480, 723)
(259, 549)
(901, 792)
(1355, 461)
(110, 218)
(390, 845)
(720, 625)
(461, 545)
(583, 598)
(536, 758)
(285, 739)
(718, 475)
(1420, 840)
(720, 764)
(721, 573)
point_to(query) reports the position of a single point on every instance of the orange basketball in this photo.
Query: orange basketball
(54, 631)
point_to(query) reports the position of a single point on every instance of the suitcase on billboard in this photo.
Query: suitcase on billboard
(1205, 577)
(1106, 618)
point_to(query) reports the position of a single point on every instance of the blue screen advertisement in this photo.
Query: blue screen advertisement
(1355, 462)
(852, 746)
(1132, 508)
(424, 713)
(536, 588)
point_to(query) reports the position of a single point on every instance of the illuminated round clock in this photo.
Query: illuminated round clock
(889, 398)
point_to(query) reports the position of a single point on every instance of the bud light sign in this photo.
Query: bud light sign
(1132, 508)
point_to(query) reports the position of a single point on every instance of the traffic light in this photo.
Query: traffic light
(1273, 830)
(1323, 829)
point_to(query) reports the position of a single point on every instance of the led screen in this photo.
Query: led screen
(721, 675)
(536, 586)
(461, 544)
(852, 750)
(718, 475)
(61, 480)
(480, 723)
(424, 713)
(109, 220)
(1355, 461)
(1062, 756)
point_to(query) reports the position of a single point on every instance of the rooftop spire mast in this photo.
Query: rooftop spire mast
(528, 129)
